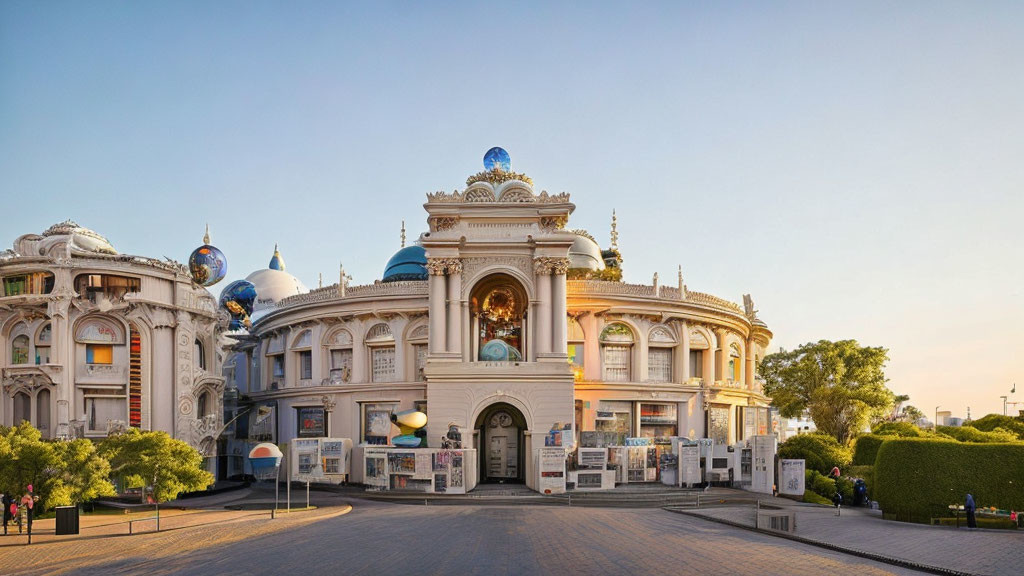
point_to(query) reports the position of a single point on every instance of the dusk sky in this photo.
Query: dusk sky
(858, 169)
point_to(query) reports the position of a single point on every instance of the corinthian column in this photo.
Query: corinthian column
(559, 268)
(542, 270)
(454, 268)
(438, 335)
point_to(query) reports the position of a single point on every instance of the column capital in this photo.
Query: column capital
(453, 265)
(437, 266)
(544, 265)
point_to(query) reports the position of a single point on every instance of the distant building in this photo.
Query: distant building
(94, 341)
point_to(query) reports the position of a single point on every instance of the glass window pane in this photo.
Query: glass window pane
(306, 365)
(19, 350)
(383, 361)
(377, 423)
(99, 354)
(616, 363)
(659, 364)
(341, 364)
(420, 352)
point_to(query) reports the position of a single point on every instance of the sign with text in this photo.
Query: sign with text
(551, 469)
(791, 477)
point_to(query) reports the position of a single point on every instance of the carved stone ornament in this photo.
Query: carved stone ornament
(498, 177)
(437, 266)
(552, 223)
(443, 223)
(543, 265)
(453, 266)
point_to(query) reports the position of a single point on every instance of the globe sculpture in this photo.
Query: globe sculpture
(499, 351)
(207, 263)
(238, 298)
(497, 159)
(411, 424)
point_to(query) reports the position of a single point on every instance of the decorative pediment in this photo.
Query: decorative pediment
(661, 334)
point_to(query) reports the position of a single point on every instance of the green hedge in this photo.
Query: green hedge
(901, 429)
(918, 478)
(821, 452)
(866, 448)
(971, 434)
(993, 421)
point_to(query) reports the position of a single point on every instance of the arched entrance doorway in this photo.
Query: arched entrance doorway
(501, 431)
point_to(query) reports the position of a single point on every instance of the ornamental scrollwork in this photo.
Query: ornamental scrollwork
(498, 177)
(442, 223)
(543, 265)
(552, 223)
(437, 266)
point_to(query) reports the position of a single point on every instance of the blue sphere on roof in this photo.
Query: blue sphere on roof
(238, 298)
(409, 263)
(497, 159)
(207, 265)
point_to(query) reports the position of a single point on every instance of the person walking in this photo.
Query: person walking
(969, 508)
(837, 500)
(5, 501)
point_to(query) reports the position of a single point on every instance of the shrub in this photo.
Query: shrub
(815, 498)
(820, 452)
(918, 478)
(970, 434)
(821, 485)
(993, 421)
(866, 448)
(865, 473)
(901, 429)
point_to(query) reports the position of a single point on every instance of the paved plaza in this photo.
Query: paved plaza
(355, 536)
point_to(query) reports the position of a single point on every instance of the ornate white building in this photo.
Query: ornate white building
(94, 341)
(502, 322)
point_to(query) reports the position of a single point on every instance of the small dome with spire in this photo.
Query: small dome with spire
(409, 263)
(273, 284)
(276, 261)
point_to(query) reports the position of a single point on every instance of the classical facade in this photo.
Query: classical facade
(94, 341)
(502, 322)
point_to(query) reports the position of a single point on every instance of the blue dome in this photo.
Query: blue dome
(409, 263)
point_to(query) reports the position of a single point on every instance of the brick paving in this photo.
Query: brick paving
(984, 552)
(381, 539)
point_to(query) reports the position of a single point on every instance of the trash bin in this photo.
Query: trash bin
(67, 520)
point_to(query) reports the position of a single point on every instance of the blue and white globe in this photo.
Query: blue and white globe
(238, 298)
(497, 159)
(207, 265)
(499, 351)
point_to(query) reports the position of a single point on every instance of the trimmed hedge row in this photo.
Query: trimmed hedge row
(918, 478)
(866, 449)
(821, 452)
(970, 434)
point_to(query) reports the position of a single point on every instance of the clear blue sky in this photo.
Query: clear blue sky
(857, 168)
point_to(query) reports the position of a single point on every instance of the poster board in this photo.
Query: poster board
(336, 458)
(689, 464)
(791, 477)
(305, 460)
(375, 470)
(764, 464)
(593, 458)
(551, 471)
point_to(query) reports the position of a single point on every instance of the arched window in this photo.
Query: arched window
(340, 344)
(381, 345)
(417, 339)
(43, 340)
(43, 412)
(659, 354)
(200, 355)
(303, 349)
(617, 352)
(734, 362)
(498, 304)
(699, 345)
(22, 408)
(99, 335)
(19, 350)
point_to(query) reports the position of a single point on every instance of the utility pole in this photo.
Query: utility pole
(935, 425)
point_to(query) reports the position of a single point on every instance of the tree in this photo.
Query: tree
(841, 384)
(26, 459)
(913, 415)
(155, 459)
(84, 473)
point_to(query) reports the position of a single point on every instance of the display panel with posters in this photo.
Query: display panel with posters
(377, 423)
(689, 463)
(764, 464)
(263, 423)
(718, 423)
(375, 468)
(658, 420)
(551, 469)
(305, 460)
(614, 416)
(592, 458)
(311, 421)
(791, 477)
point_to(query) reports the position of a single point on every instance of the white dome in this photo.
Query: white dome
(272, 286)
(585, 253)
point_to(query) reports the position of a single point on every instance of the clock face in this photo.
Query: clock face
(501, 420)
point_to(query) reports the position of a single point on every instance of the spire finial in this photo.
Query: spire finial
(206, 237)
(321, 282)
(403, 234)
(276, 261)
(615, 231)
